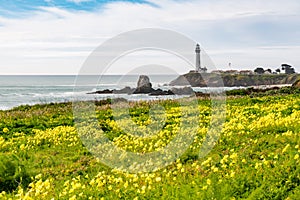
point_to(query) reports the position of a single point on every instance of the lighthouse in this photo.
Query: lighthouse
(199, 69)
(198, 61)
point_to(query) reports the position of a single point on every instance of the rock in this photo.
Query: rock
(159, 92)
(143, 85)
(195, 79)
(183, 91)
(143, 90)
(173, 91)
(296, 84)
(126, 90)
(144, 81)
(106, 91)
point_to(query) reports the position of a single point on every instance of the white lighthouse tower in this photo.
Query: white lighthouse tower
(198, 60)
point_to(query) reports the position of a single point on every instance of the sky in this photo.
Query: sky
(57, 36)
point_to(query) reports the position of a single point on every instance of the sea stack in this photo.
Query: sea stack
(144, 85)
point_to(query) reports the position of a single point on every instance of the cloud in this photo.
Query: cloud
(78, 1)
(55, 39)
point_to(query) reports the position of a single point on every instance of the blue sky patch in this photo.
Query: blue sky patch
(18, 8)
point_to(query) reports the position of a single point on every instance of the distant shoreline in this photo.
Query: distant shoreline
(196, 79)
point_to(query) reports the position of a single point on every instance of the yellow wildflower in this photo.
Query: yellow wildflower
(5, 130)
(208, 181)
(158, 179)
(285, 148)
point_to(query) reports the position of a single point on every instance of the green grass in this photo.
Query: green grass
(255, 157)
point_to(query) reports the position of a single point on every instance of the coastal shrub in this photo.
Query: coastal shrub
(12, 173)
(252, 92)
(36, 117)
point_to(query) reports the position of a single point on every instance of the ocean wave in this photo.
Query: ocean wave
(30, 90)
(60, 98)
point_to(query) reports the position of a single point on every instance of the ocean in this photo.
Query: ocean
(16, 90)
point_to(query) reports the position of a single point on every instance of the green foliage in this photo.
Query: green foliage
(263, 92)
(12, 173)
(255, 157)
(25, 118)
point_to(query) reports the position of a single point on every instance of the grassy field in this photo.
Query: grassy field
(256, 157)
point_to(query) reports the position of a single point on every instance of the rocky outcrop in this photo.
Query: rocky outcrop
(144, 85)
(195, 79)
(106, 91)
(126, 90)
(192, 78)
(160, 92)
(296, 84)
(183, 91)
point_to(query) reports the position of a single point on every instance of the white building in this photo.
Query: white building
(198, 60)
